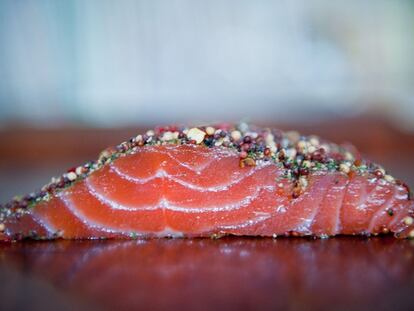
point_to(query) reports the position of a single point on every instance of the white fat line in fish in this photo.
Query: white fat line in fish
(166, 205)
(40, 220)
(248, 223)
(376, 201)
(158, 174)
(363, 196)
(304, 227)
(196, 169)
(344, 189)
(89, 224)
(369, 198)
(114, 205)
(166, 232)
(281, 209)
(381, 210)
(163, 174)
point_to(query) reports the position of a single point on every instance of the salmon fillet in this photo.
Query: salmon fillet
(215, 181)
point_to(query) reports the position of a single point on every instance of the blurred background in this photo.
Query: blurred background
(76, 76)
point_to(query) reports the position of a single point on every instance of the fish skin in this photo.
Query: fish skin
(194, 191)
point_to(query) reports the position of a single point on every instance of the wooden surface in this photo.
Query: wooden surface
(225, 274)
(203, 274)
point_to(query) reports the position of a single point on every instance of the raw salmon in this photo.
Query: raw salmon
(216, 181)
